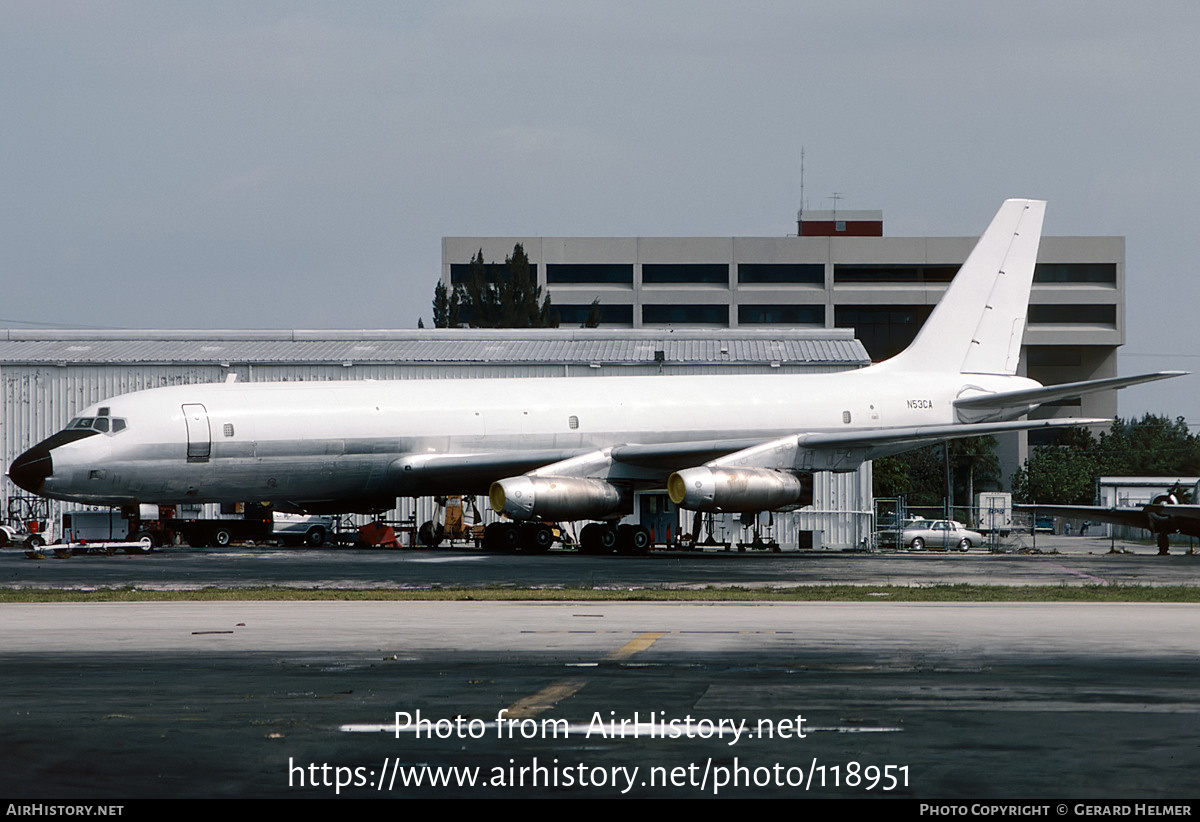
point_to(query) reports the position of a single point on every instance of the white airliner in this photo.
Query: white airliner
(572, 448)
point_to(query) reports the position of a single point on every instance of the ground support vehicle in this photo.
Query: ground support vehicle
(26, 522)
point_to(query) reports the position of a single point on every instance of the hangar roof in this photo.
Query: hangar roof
(89, 346)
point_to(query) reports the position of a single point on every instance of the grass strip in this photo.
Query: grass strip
(805, 593)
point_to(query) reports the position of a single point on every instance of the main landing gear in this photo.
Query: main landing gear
(528, 537)
(537, 537)
(604, 538)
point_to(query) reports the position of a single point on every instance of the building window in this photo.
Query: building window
(566, 273)
(685, 314)
(689, 273)
(1105, 273)
(1050, 356)
(1073, 314)
(806, 273)
(492, 272)
(609, 314)
(781, 315)
(894, 273)
(884, 330)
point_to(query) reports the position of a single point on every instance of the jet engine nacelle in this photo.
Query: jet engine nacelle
(554, 498)
(739, 490)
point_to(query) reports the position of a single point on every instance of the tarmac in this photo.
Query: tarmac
(112, 701)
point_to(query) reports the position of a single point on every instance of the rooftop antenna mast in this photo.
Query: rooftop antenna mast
(835, 197)
(800, 213)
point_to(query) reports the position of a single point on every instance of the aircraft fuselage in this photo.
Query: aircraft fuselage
(342, 442)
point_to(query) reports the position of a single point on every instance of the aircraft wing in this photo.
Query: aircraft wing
(592, 480)
(475, 473)
(1142, 516)
(1133, 517)
(634, 462)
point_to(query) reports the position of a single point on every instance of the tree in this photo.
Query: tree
(501, 298)
(981, 460)
(1066, 473)
(1153, 446)
(445, 306)
(918, 475)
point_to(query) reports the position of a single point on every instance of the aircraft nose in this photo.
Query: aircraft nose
(31, 469)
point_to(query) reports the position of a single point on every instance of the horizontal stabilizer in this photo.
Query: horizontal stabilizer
(1028, 398)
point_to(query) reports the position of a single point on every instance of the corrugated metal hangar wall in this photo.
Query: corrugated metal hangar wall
(49, 375)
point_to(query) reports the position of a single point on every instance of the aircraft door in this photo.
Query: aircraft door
(199, 446)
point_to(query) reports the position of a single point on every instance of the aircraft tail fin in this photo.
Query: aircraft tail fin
(977, 326)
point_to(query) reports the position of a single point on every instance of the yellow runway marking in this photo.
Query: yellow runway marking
(552, 694)
(545, 699)
(631, 647)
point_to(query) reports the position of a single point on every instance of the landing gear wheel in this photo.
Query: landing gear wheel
(429, 535)
(917, 544)
(597, 538)
(589, 538)
(608, 539)
(491, 537)
(502, 537)
(633, 540)
(538, 538)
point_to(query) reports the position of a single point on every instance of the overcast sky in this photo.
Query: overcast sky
(295, 165)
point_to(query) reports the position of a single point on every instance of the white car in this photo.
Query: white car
(941, 534)
(302, 529)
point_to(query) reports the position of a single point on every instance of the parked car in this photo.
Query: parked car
(941, 534)
(302, 529)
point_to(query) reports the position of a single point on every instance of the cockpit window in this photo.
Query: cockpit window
(100, 424)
